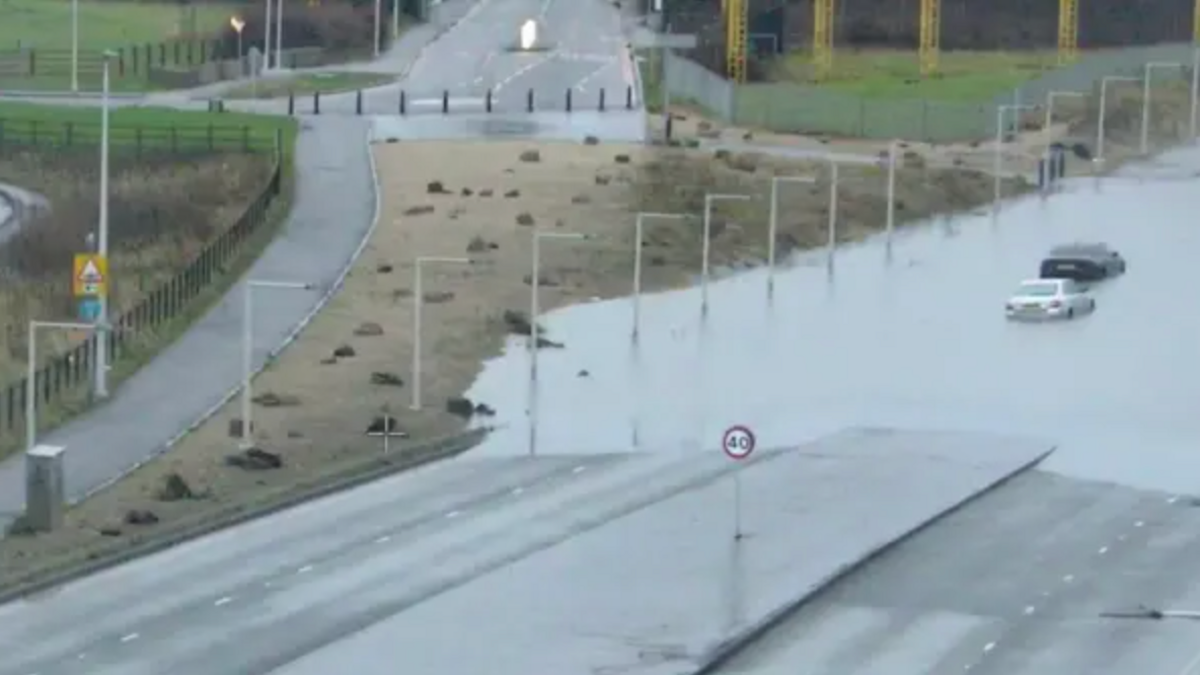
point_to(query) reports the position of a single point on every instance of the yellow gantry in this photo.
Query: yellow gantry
(1068, 31)
(737, 17)
(822, 44)
(931, 36)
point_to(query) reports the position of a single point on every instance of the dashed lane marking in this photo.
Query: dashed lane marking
(223, 601)
(130, 638)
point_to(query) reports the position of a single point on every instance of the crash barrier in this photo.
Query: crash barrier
(67, 372)
(1052, 167)
(362, 102)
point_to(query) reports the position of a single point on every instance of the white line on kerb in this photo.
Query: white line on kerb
(223, 601)
(130, 638)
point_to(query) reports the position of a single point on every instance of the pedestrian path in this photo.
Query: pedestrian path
(333, 212)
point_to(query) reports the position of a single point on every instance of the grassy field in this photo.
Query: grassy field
(325, 83)
(46, 24)
(963, 76)
(175, 199)
(154, 127)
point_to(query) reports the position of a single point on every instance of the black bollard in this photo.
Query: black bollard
(601, 100)
(316, 103)
(291, 104)
(358, 102)
(629, 98)
(670, 124)
(487, 101)
(568, 99)
(529, 100)
(445, 101)
(403, 103)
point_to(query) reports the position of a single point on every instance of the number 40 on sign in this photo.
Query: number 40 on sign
(738, 441)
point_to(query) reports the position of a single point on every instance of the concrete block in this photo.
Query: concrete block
(44, 487)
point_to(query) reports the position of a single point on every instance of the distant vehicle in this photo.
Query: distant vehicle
(1082, 261)
(1049, 299)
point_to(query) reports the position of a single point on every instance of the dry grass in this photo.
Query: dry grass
(328, 403)
(162, 212)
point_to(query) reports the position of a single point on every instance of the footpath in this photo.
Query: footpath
(332, 214)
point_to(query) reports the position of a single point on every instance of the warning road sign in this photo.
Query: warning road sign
(738, 441)
(90, 275)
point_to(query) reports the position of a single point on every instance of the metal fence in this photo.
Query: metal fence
(66, 373)
(169, 138)
(133, 61)
(800, 108)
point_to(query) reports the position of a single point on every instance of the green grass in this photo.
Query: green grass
(325, 83)
(160, 128)
(962, 76)
(46, 24)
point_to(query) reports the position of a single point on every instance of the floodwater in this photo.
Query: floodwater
(918, 341)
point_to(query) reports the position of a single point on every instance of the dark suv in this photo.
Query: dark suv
(1082, 262)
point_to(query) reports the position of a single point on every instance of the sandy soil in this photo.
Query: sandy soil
(322, 405)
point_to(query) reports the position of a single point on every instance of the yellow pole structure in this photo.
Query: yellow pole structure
(931, 36)
(736, 20)
(823, 37)
(1068, 31)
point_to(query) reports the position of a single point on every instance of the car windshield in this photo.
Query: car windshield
(1038, 289)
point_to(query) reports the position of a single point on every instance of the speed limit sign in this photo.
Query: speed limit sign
(738, 442)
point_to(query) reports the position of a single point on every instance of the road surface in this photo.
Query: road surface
(509, 565)
(1012, 586)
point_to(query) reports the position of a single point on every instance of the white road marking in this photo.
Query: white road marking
(521, 71)
(130, 638)
(304, 570)
(1069, 578)
(82, 656)
(579, 469)
(1103, 550)
(223, 601)
(1030, 609)
(1139, 524)
(989, 647)
(452, 514)
(383, 540)
(517, 491)
(1190, 668)
(581, 85)
(1174, 499)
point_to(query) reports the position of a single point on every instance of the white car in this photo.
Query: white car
(1049, 299)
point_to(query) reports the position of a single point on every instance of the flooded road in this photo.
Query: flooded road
(919, 341)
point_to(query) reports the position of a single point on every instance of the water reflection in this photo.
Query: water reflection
(918, 343)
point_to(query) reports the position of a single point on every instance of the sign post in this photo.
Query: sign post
(738, 443)
(89, 286)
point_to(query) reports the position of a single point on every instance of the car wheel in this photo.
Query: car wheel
(1071, 313)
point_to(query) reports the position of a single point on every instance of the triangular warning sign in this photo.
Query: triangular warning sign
(90, 274)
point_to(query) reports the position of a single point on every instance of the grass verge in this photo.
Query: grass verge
(45, 24)
(889, 74)
(309, 83)
(151, 342)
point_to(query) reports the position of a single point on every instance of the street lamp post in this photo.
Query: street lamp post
(639, 228)
(75, 46)
(893, 159)
(395, 20)
(103, 337)
(1103, 112)
(773, 225)
(1147, 75)
(279, 35)
(1195, 94)
(31, 392)
(418, 304)
(267, 38)
(998, 157)
(247, 439)
(378, 27)
(709, 200)
(237, 24)
(534, 308)
(833, 204)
